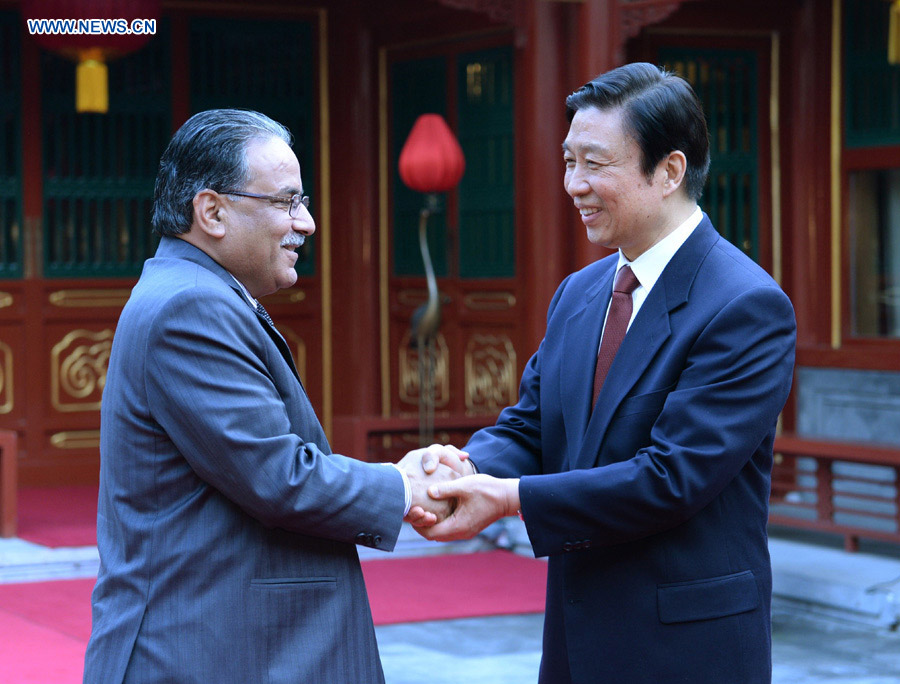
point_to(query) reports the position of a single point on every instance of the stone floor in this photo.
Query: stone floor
(835, 615)
(507, 650)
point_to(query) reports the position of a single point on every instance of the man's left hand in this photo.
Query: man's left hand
(481, 499)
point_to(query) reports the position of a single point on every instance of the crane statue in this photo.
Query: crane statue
(426, 320)
(431, 161)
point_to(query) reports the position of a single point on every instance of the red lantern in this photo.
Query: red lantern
(431, 159)
(92, 43)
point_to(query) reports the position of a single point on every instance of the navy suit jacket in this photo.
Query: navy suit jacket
(653, 506)
(226, 527)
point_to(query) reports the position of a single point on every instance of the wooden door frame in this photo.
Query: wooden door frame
(767, 46)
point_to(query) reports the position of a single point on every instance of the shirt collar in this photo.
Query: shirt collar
(648, 267)
(246, 293)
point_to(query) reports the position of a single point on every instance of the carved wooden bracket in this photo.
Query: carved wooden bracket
(636, 14)
(501, 11)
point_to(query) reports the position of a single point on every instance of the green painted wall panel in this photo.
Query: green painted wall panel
(484, 113)
(726, 82)
(267, 66)
(487, 246)
(417, 87)
(99, 169)
(871, 84)
(10, 147)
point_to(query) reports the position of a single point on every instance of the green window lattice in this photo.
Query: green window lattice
(10, 148)
(99, 169)
(484, 112)
(267, 66)
(871, 84)
(726, 82)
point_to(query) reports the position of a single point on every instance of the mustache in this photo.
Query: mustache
(293, 241)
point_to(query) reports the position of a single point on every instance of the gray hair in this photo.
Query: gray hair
(208, 151)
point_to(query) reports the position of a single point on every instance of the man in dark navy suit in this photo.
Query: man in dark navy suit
(640, 452)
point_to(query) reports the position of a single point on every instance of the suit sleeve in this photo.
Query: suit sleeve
(732, 387)
(512, 447)
(211, 391)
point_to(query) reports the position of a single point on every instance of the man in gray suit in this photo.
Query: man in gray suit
(226, 526)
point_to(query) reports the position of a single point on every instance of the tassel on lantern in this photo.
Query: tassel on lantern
(91, 83)
(894, 33)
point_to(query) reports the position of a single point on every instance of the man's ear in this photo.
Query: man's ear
(675, 165)
(208, 213)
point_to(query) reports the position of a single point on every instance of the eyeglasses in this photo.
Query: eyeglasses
(293, 202)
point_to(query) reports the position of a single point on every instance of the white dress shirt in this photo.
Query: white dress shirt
(648, 267)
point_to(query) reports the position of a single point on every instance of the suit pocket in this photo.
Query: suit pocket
(644, 403)
(294, 582)
(708, 598)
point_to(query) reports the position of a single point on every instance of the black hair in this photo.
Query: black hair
(660, 111)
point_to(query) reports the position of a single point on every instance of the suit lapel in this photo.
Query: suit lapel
(279, 341)
(644, 338)
(176, 248)
(649, 330)
(582, 341)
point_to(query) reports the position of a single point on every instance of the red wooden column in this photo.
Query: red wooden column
(599, 37)
(544, 213)
(8, 482)
(29, 363)
(352, 68)
(599, 46)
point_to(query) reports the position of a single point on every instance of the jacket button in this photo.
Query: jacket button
(586, 544)
(361, 538)
(567, 546)
(377, 540)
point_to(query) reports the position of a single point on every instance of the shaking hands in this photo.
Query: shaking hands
(458, 503)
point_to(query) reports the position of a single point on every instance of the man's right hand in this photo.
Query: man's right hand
(448, 455)
(425, 467)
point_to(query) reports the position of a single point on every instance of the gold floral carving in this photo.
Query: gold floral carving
(409, 371)
(6, 299)
(6, 378)
(298, 350)
(490, 373)
(78, 365)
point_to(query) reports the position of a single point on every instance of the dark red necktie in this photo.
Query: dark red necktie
(616, 324)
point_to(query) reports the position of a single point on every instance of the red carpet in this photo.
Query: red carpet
(58, 516)
(45, 626)
(448, 587)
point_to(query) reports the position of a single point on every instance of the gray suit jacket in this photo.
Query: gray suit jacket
(226, 527)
